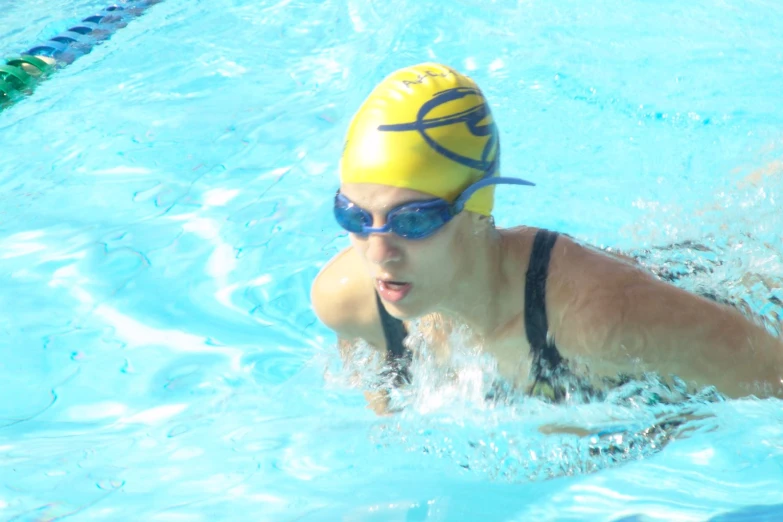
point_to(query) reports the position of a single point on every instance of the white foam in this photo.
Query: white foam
(96, 411)
(155, 415)
(122, 169)
(703, 457)
(496, 64)
(222, 261)
(186, 453)
(219, 197)
(135, 333)
(21, 249)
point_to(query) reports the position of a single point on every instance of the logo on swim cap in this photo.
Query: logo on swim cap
(472, 118)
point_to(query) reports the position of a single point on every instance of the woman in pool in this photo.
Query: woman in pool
(418, 172)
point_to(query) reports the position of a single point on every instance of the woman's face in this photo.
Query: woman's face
(411, 276)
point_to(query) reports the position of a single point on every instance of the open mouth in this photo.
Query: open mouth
(393, 291)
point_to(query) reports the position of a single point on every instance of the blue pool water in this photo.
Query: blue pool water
(165, 205)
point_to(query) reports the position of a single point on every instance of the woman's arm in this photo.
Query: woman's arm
(621, 319)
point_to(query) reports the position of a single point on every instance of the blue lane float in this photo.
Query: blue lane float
(20, 74)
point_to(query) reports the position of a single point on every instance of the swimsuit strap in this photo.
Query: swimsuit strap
(397, 355)
(393, 331)
(544, 352)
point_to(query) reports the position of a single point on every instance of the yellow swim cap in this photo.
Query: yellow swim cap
(426, 128)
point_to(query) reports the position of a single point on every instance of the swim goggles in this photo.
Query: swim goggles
(414, 220)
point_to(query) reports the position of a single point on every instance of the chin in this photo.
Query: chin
(405, 312)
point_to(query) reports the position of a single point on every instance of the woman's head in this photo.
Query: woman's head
(422, 148)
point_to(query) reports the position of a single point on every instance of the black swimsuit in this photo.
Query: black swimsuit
(551, 377)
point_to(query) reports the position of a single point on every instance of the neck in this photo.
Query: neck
(476, 297)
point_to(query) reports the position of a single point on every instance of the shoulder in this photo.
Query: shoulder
(591, 282)
(589, 265)
(567, 254)
(343, 298)
(587, 289)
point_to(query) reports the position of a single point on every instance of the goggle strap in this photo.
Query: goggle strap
(465, 196)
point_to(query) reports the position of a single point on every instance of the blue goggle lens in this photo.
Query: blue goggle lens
(351, 218)
(416, 223)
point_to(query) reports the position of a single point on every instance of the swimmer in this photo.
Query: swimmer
(419, 168)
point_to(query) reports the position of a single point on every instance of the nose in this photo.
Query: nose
(382, 249)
